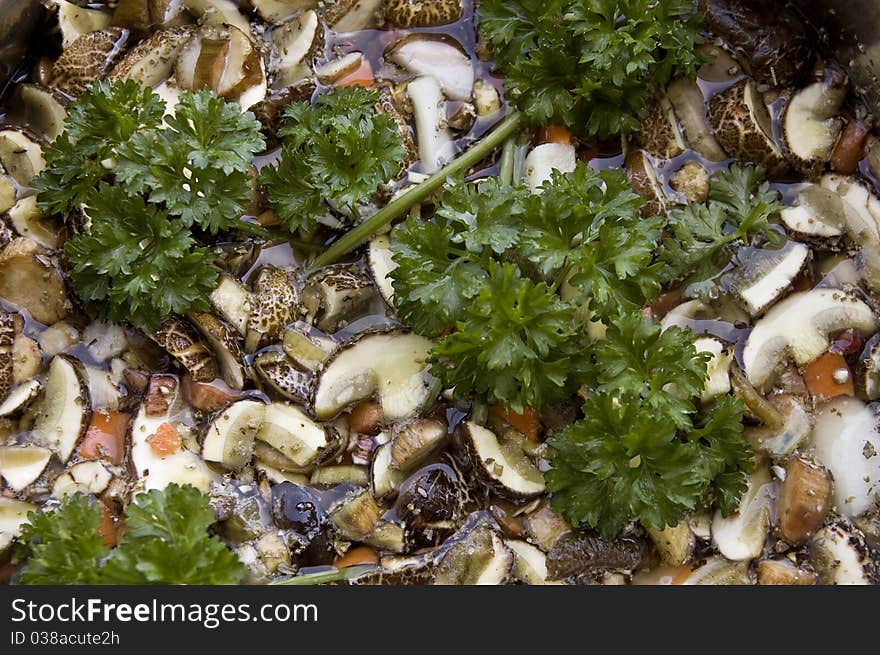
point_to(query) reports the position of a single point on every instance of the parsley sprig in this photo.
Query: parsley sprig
(166, 541)
(148, 186)
(741, 210)
(338, 151)
(590, 64)
(488, 269)
(644, 451)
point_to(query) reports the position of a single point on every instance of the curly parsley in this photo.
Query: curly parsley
(338, 151)
(148, 185)
(165, 541)
(488, 269)
(590, 64)
(643, 450)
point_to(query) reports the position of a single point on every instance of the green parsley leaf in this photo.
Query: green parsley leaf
(486, 215)
(516, 344)
(740, 211)
(589, 65)
(134, 264)
(434, 281)
(97, 124)
(638, 358)
(63, 546)
(338, 151)
(198, 165)
(643, 451)
(589, 222)
(166, 541)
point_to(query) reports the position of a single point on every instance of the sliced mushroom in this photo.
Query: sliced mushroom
(20, 155)
(183, 343)
(546, 158)
(224, 343)
(8, 196)
(846, 442)
(718, 380)
(331, 476)
(233, 302)
(336, 296)
(89, 58)
(356, 516)
(475, 556)
(277, 10)
(742, 126)
(353, 15)
(804, 500)
(219, 12)
(719, 571)
(381, 264)
(800, 326)
(339, 67)
(277, 371)
(414, 440)
(295, 42)
(660, 133)
(89, 477)
(783, 572)
(292, 433)
(675, 543)
(22, 465)
(7, 340)
(390, 366)
(273, 303)
(388, 106)
(487, 100)
(643, 179)
(544, 527)
(13, 516)
(151, 61)
(307, 347)
(840, 556)
(811, 124)
(773, 41)
(433, 137)
(144, 15)
(27, 281)
(438, 57)
(529, 563)
(65, 409)
(28, 221)
(43, 109)
(741, 536)
(501, 464)
(690, 109)
(221, 58)
(385, 480)
(230, 437)
(579, 556)
(422, 13)
(155, 471)
(74, 21)
(781, 441)
(20, 398)
(763, 275)
(817, 213)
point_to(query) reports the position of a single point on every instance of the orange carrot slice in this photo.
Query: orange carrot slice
(529, 422)
(105, 437)
(828, 376)
(355, 556)
(363, 76)
(166, 441)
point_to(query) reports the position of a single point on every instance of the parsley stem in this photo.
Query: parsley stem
(420, 192)
(253, 229)
(505, 168)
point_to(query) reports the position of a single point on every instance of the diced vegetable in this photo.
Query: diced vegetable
(105, 437)
(804, 500)
(828, 376)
